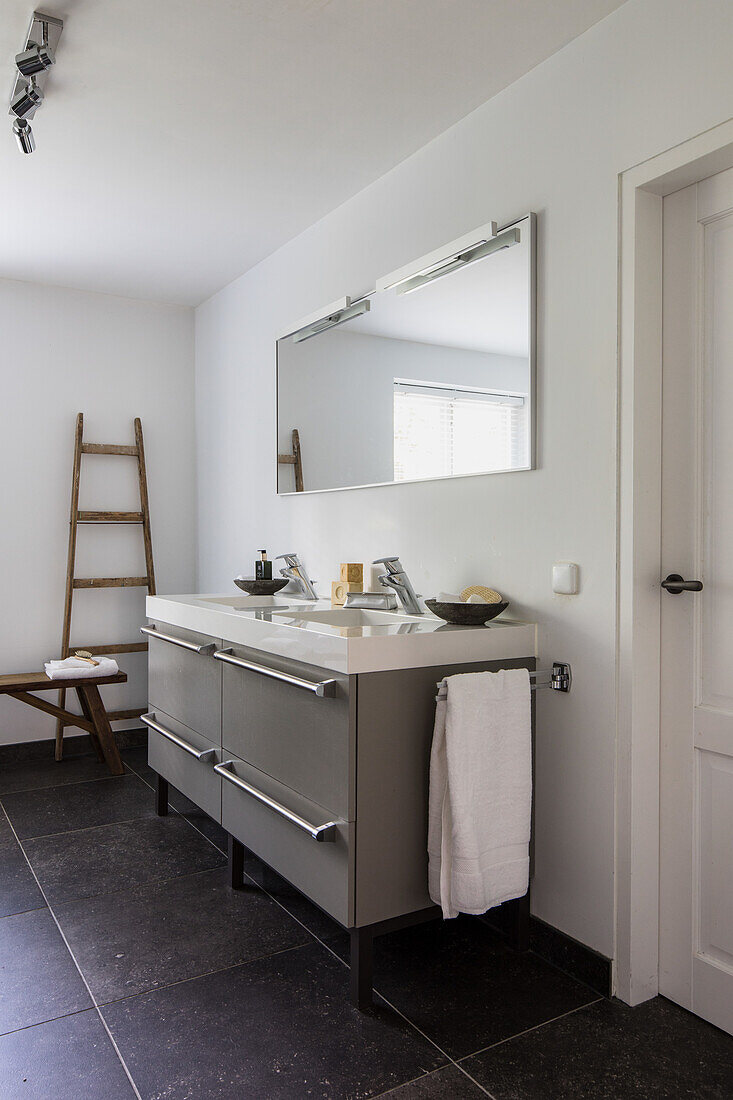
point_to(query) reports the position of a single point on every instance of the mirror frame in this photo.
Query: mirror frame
(425, 263)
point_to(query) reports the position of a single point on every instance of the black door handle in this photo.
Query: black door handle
(674, 584)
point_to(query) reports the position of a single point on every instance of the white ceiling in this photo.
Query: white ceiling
(180, 143)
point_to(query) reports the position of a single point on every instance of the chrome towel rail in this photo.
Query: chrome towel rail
(557, 678)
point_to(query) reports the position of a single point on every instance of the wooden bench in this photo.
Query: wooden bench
(94, 716)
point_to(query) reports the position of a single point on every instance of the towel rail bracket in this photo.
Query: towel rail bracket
(560, 677)
(557, 678)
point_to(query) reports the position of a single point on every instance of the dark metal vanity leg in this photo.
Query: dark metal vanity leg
(362, 966)
(520, 930)
(236, 864)
(161, 796)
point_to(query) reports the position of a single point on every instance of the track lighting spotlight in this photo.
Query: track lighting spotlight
(24, 135)
(36, 59)
(32, 65)
(26, 99)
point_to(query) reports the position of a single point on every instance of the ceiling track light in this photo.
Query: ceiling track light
(32, 66)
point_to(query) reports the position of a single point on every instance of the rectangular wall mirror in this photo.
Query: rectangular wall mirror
(432, 376)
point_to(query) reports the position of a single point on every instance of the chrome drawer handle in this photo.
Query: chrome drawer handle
(153, 631)
(322, 688)
(199, 754)
(321, 833)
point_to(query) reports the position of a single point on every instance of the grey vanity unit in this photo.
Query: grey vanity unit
(321, 773)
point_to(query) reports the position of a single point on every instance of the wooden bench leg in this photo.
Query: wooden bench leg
(161, 796)
(236, 863)
(362, 966)
(98, 715)
(88, 715)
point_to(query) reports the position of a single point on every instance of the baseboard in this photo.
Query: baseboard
(28, 751)
(562, 951)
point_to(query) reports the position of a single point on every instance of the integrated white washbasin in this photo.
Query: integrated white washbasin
(345, 639)
(249, 603)
(352, 616)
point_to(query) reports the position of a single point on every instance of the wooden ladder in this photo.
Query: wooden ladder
(72, 582)
(295, 459)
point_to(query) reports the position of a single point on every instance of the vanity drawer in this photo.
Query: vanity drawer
(182, 681)
(287, 730)
(185, 759)
(317, 862)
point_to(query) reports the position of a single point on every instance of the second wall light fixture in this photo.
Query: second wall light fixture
(32, 64)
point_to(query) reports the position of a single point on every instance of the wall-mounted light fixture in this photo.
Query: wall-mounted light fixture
(32, 64)
(336, 314)
(413, 281)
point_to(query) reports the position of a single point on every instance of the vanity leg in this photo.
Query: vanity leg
(236, 864)
(161, 796)
(362, 966)
(520, 930)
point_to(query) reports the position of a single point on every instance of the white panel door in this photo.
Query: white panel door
(696, 779)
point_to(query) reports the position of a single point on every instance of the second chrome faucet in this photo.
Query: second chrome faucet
(397, 579)
(295, 571)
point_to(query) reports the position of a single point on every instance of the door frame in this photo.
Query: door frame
(638, 570)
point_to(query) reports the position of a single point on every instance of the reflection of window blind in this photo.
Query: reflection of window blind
(440, 431)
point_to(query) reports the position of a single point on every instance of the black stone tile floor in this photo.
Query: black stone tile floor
(129, 968)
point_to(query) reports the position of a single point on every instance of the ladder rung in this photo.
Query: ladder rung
(109, 517)
(120, 715)
(114, 647)
(111, 582)
(108, 449)
(290, 459)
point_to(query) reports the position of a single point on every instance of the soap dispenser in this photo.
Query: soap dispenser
(263, 567)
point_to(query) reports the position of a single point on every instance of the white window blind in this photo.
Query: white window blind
(443, 431)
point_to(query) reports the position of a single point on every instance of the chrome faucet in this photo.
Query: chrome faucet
(295, 571)
(397, 578)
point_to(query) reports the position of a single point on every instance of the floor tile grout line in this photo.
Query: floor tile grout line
(71, 832)
(76, 964)
(139, 886)
(51, 1020)
(529, 1030)
(425, 1076)
(93, 828)
(69, 783)
(198, 977)
(22, 912)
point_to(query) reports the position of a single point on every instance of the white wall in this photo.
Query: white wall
(64, 352)
(337, 389)
(649, 76)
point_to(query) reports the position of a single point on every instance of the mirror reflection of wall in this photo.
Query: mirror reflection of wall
(432, 383)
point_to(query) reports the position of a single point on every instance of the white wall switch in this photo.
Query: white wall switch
(565, 578)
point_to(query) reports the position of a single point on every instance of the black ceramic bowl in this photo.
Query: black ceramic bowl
(466, 614)
(259, 586)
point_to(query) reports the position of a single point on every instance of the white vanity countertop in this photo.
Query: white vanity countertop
(382, 641)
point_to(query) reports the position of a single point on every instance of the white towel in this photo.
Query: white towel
(480, 791)
(73, 667)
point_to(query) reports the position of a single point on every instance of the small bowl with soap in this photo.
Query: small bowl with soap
(475, 606)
